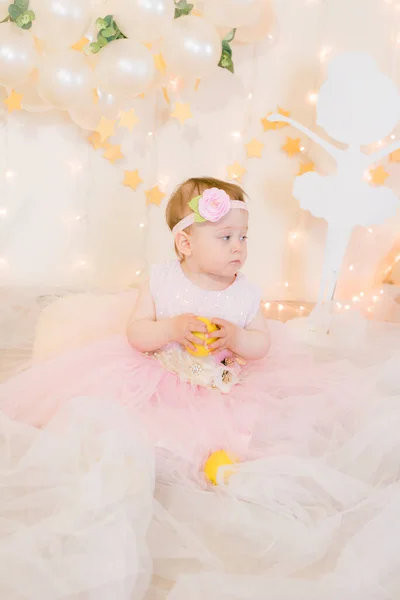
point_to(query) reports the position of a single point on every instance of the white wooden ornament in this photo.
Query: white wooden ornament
(357, 105)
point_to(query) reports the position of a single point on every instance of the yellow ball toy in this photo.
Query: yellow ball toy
(202, 350)
(217, 459)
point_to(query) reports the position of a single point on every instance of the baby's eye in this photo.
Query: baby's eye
(243, 237)
(226, 238)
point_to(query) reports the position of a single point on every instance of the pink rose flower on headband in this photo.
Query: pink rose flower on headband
(214, 204)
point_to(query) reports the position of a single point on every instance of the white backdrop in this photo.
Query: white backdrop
(66, 219)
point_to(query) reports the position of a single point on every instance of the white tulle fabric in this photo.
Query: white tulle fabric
(312, 514)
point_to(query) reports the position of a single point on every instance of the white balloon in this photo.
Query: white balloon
(232, 13)
(87, 114)
(262, 26)
(17, 55)
(64, 79)
(192, 47)
(61, 23)
(4, 4)
(125, 68)
(31, 100)
(143, 20)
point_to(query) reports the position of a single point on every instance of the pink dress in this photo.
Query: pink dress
(105, 497)
(189, 406)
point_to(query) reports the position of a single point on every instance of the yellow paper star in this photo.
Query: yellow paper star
(128, 119)
(113, 153)
(39, 45)
(284, 113)
(181, 112)
(95, 140)
(159, 63)
(236, 171)
(306, 168)
(154, 196)
(166, 95)
(267, 125)
(132, 179)
(105, 128)
(148, 45)
(394, 156)
(79, 46)
(378, 176)
(292, 146)
(95, 96)
(254, 148)
(196, 85)
(142, 95)
(14, 101)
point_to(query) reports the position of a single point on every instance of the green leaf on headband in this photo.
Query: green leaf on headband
(198, 218)
(194, 204)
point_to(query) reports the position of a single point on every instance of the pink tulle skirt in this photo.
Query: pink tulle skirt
(275, 407)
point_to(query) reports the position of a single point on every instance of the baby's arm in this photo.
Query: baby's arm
(251, 343)
(146, 334)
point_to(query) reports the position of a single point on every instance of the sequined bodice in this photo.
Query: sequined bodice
(174, 294)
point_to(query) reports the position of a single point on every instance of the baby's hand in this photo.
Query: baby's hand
(183, 328)
(226, 335)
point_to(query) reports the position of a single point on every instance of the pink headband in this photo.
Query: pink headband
(211, 205)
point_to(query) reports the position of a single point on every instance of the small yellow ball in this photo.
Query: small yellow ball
(202, 350)
(217, 459)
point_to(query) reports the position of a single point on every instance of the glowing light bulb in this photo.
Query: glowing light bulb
(302, 308)
(75, 166)
(370, 309)
(236, 135)
(286, 284)
(392, 137)
(375, 298)
(141, 225)
(397, 259)
(312, 97)
(81, 263)
(150, 133)
(3, 212)
(355, 299)
(324, 52)
(250, 96)
(302, 149)
(9, 174)
(138, 272)
(338, 305)
(381, 292)
(362, 294)
(351, 268)
(369, 230)
(346, 307)
(280, 307)
(267, 305)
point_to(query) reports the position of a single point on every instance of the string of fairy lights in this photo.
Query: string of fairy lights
(155, 195)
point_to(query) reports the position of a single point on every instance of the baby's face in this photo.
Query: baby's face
(221, 248)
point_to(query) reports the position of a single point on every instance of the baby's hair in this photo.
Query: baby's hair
(178, 205)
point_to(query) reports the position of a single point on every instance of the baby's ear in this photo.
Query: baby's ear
(182, 241)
